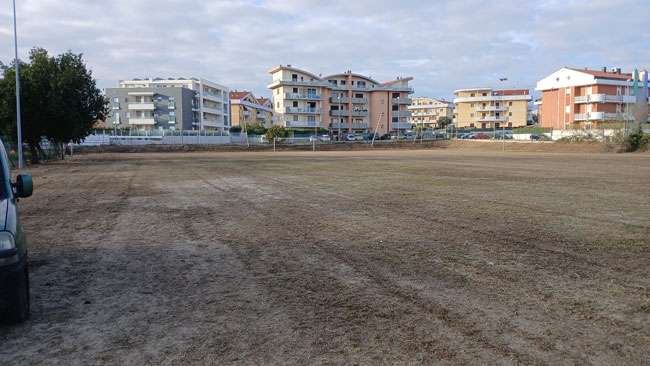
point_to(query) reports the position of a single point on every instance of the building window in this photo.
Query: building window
(116, 117)
(361, 84)
(333, 82)
(510, 104)
(295, 104)
(277, 91)
(116, 100)
(395, 107)
(471, 114)
(472, 105)
(295, 90)
(342, 82)
(510, 114)
(567, 91)
(471, 95)
(171, 113)
(295, 118)
(484, 94)
(471, 125)
(127, 115)
(311, 118)
(277, 104)
(126, 100)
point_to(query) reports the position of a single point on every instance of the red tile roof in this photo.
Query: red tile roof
(238, 95)
(604, 75)
(511, 92)
(262, 100)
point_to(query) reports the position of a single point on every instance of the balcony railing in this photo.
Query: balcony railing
(401, 114)
(600, 116)
(342, 100)
(345, 126)
(605, 98)
(212, 94)
(401, 125)
(491, 108)
(302, 124)
(303, 110)
(424, 114)
(302, 96)
(339, 113)
(359, 113)
(406, 101)
(491, 118)
(142, 106)
(261, 115)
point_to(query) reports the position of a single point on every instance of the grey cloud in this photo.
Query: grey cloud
(444, 45)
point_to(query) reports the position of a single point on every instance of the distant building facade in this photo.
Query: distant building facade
(188, 104)
(584, 99)
(246, 109)
(427, 111)
(487, 108)
(345, 102)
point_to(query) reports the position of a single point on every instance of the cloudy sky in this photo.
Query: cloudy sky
(444, 45)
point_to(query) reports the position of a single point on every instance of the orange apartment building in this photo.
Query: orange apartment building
(426, 111)
(344, 102)
(582, 99)
(246, 109)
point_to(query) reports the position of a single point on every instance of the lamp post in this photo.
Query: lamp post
(503, 126)
(397, 117)
(20, 137)
(339, 119)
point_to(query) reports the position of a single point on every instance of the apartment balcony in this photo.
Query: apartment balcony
(142, 106)
(345, 126)
(148, 120)
(116, 105)
(303, 124)
(195, 107)
(172, 120)
(212, 95)
(340, 113)
(261, 115)
(602, 116)
(246, 113)
(359, 113)
(314, 83)
(404, 101)
(492, 109)
(492, 119)
(604, 98)
(423, 114)
(400, 114)
(302, 96)
(209, 123)
(491, 98)
(171, 105)
(359, 100)
(212, 108)
(401, 125)
(337, 100)
(303, 110)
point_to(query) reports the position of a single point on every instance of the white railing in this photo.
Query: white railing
(303, 110)
(302, 96)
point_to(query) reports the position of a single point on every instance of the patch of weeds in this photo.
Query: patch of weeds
(645, 308)
(582, 304)
(547, 332)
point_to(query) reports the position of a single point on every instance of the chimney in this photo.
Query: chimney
(604, 69)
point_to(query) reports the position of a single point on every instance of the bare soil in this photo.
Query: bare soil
(365, 257)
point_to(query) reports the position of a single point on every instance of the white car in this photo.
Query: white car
(325, 138)
(350, 138)
(263, 139)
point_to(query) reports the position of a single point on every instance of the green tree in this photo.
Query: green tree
(276, 131)
(59, 99)
(444, 121)
(254, 128)
(235, 129)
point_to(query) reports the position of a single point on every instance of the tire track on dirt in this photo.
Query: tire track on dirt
(385, 284)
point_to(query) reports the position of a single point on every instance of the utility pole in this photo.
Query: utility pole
(376, 127)
(20, 136)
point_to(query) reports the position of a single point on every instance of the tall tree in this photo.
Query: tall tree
(59, 99)
(444, 121)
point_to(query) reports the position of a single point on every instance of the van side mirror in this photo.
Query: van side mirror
(24, 185)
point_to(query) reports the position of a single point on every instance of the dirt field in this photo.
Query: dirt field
(367, 257)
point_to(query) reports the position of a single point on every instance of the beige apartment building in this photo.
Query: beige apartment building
(584, 99)
(427, 111)
(487, 108)
(340, 103)
(246, 109)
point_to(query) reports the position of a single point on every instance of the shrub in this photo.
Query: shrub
(276, 131)
(636, 141)
(235, 129)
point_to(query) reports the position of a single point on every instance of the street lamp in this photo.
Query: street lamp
(339, 119)
(20, 137)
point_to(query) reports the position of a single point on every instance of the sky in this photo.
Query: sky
(443, 45)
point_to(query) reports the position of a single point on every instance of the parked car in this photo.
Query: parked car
(14, 275)
(349, 138)
(470, 136)
(386, 136)
(313, 138)
(325, 138)
(535, 136)
(481, 136)
(375, 135)
(263, 139)
(442, 135)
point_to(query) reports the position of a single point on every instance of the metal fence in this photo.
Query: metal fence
(47, 151)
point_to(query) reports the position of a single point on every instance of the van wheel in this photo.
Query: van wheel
(19, 311)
